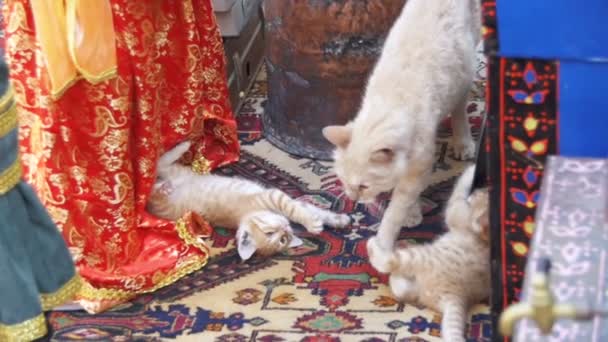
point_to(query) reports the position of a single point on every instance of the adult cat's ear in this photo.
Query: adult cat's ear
(245, 245)
(383, 155)
(295, 242)
(338, 135)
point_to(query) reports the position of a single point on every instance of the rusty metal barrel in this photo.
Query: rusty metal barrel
(319, 54)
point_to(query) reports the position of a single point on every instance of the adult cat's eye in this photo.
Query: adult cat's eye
(384, 155)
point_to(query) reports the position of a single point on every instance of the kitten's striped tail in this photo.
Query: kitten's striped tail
(454, 319)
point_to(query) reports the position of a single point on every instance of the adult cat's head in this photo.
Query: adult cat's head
(366, 164)
(266, 233)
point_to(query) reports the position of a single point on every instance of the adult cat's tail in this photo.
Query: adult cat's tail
(454, 319)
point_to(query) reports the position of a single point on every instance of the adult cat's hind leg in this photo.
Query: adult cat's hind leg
(464, 145)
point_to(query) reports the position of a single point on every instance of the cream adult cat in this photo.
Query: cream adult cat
(424, 73)
(451, 273)
(261, 215)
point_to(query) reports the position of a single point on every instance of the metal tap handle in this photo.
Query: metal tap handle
(541, 307)
(544, 266)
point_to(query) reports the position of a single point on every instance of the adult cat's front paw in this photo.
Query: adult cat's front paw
(381, 259)
(464, 149)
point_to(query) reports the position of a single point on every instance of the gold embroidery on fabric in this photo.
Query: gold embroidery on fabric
(120, 104)
(8, 120)
(88, 292)
(194, 57)
(60, 91)
(10, 177)
(113, 149)
(188, 12)
(25, 331)
(121, 188)
(201, 165)
(21, 95)
(193, 264)
(104, 120)
(61, 296)
(224, 133)
(18, 19)
(59, 215)
(184, 234)
(6, 97)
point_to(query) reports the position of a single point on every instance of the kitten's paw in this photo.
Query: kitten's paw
(339, 220)
(164, 188)
(183, 147)
(464, 149)
(381, 259)
(414, 217)
(314, 227)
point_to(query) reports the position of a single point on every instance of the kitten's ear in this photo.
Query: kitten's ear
(383, 155)
(245, 245)
(295, 242)
(339, 136)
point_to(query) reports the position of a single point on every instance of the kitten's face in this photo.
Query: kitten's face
(266, 233)
(366, 169)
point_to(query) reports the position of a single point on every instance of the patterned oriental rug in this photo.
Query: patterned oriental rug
(325, 290)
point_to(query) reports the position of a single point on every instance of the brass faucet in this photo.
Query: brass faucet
(541, 308)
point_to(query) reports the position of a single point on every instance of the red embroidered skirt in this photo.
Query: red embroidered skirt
(91, 154)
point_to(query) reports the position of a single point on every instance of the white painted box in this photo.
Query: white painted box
(222, 5)
(232, 21)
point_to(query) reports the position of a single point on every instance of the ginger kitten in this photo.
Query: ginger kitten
(262, 215)
(453, 272)
(424, 73)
